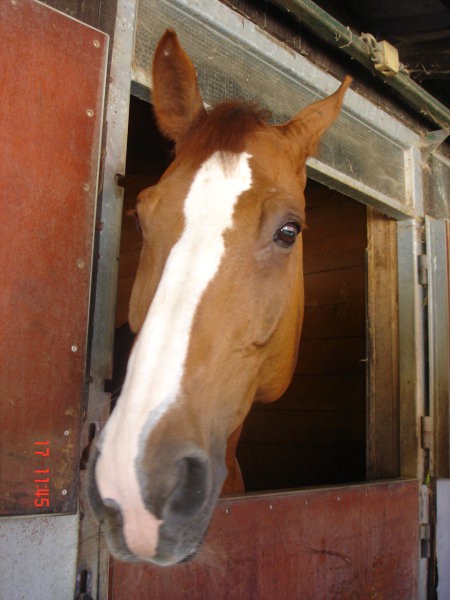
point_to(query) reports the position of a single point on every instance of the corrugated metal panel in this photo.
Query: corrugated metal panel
(51, 98)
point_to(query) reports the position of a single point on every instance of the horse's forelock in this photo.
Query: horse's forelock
(225, 129)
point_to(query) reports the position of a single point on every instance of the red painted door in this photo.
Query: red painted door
(52, 81)
(352, 542)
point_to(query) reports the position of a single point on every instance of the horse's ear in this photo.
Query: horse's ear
(310, 124)
(176, 96)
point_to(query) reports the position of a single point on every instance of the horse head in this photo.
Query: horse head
(217, 305)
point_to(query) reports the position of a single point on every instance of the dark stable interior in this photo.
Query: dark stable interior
(315, 434)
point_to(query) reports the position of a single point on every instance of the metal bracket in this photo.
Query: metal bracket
(432, 141)
(422, 267)
(425, 540)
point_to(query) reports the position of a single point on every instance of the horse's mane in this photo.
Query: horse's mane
(224, 128)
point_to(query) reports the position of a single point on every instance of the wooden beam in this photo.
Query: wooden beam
(382, 347)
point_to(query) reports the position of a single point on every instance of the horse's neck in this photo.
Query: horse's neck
(234, 483)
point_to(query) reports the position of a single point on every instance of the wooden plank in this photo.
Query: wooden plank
(322, 255)
(128, 263)
(96, 13)
(334, 286)
(309, 428)
(125, 285)
(51, 93)
(331, 356)
(443, 426)
(318, 392)
(437, 232)
(382, 308)
(334, 320)
(330, 214)
(289, 466)
(342, 543)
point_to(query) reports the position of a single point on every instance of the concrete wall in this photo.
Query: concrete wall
(38, 557)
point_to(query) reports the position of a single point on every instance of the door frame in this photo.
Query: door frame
(93, 558)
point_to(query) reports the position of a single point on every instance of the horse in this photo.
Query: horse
(217, 305)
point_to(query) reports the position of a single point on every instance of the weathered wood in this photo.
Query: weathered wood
(340, 543)
(331, 356)
(382, 309)
(334, 320)
(312, 392)
(306, 427)
(148, 155)
(443, 428)
(438, 308)
(97, 13)
(335, 286)
(289, 465)
(291, 32)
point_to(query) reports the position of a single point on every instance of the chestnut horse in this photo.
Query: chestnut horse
(218, 307)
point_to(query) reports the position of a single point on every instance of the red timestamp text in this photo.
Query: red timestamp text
(42, 475)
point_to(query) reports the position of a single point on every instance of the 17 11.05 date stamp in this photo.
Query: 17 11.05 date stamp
(42, 475)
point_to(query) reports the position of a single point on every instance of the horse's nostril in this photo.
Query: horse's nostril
(189, 557)
(113, 510)
(192, 487)
(111, 503)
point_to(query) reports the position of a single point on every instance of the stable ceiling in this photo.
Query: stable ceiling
(419, 29)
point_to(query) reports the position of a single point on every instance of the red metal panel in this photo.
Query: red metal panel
(341, 543)
(51, 99)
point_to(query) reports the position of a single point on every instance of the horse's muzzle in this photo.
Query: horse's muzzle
(180, 493)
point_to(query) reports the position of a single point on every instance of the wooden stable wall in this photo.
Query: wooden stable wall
(97, 13)
(315, 434)
(344, 543)
(148, 155)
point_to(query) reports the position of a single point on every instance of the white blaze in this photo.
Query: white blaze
(156, 365)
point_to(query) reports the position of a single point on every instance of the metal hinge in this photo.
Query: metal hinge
(422, 268)
(425, 432)
(425, 540)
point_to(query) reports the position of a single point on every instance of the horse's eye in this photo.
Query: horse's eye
(286, 235)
